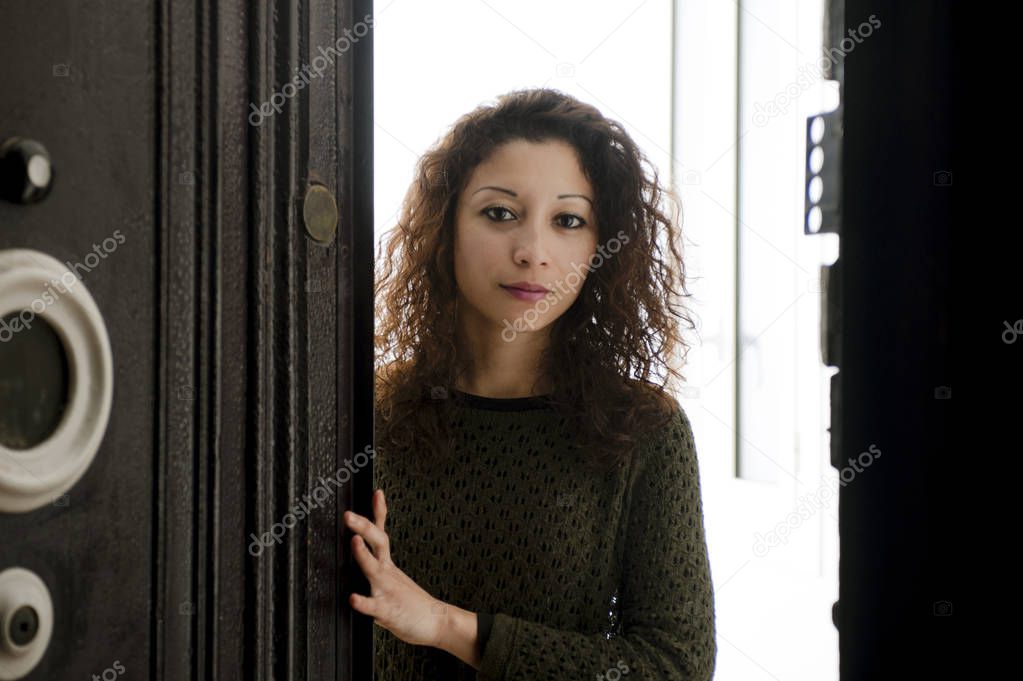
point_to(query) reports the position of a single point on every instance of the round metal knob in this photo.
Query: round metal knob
(26, 172)
(26, 622)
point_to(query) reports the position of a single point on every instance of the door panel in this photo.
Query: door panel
(93, 111)
(229, 257)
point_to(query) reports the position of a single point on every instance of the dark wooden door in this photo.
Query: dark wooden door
(203, 172)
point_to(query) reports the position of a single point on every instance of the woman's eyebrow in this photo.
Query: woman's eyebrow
(509, 191)
(565, 196)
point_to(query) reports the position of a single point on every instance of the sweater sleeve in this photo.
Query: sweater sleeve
(484, 623)
(667, 598)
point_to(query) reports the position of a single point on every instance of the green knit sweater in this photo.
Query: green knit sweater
(578, 575)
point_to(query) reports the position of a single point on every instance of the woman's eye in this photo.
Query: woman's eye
(576, 217)
(493, 212)
(487, 212)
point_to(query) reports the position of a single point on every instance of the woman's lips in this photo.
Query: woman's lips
(524, 295)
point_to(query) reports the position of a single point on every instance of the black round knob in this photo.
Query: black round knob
(24, 625)
(26, 172)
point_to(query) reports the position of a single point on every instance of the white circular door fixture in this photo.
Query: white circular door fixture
(37, 285)
(26, 622)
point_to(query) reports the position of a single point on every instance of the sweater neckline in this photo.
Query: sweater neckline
(502, 403)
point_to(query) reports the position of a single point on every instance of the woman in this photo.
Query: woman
(543, 495)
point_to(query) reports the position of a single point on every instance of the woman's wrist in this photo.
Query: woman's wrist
(460, 635)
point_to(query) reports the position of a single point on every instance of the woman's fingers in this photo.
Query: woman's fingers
(379, 508)
(366, 560)
(372, 534)
(364, 604)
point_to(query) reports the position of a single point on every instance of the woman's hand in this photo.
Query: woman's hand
(396, 602)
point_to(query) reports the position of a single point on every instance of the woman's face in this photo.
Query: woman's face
(525, 215)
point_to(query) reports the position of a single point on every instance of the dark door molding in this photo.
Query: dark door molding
(265, 356)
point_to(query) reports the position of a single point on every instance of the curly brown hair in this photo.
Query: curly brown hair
(603, 350)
